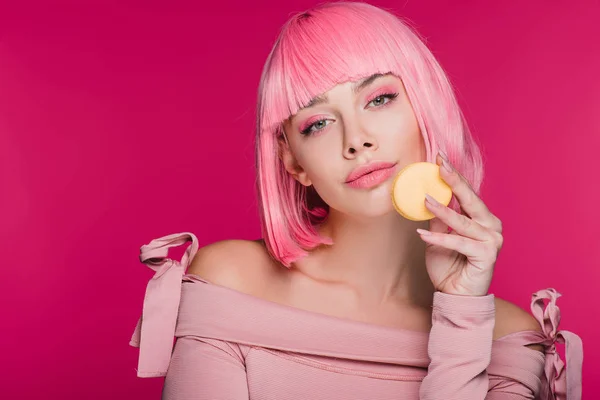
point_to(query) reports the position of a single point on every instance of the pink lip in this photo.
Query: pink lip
(370, 175)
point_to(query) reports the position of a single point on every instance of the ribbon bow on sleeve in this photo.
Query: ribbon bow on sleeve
(563, 383)
(155, 330)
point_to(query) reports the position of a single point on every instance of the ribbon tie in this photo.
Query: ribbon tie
(563, 383)
(155, 330)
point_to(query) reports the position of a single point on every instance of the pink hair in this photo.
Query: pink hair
(316, 50)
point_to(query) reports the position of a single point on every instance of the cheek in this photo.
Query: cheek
(319, 167)
(399, 127)
(400, 133)
(316, 157)
(311, 165)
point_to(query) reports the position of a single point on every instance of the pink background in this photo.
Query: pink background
(124, 122)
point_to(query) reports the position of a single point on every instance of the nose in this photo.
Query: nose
(357, 141)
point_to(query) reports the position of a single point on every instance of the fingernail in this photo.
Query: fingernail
(431, 200)
(447, 166)
(444, 156)
(424, 232)
(446, 163)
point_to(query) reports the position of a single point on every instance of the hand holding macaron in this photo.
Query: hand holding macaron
(460, 262)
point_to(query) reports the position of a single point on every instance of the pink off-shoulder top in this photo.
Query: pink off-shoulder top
(231, 345)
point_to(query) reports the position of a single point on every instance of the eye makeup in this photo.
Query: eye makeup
(306, 125)
(386, 92)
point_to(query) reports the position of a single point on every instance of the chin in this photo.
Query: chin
(374, 207)
(378, 212)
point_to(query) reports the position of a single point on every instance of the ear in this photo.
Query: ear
(290, 163)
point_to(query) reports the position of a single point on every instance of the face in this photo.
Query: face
(352, 125)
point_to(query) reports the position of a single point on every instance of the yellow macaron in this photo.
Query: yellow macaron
(411, 184)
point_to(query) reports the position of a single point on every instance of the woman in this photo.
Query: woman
(344, 298)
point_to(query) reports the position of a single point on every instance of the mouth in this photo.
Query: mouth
(367, 170)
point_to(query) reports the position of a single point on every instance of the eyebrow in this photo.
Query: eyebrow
(356, 87)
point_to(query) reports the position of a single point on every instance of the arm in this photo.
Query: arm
(460, 348)
(202, 369)
(205, 369)
(461, 265)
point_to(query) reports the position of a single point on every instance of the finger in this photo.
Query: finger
(469, 201)
(459, 223)
(474, 250)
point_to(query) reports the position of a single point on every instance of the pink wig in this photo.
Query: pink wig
(316, 50)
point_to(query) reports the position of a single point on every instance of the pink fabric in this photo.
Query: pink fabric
(236, 346)
(156, 328)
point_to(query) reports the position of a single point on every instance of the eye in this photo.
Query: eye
(379, 100)
(319, 125)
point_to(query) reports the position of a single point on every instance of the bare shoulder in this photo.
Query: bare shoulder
(511, 318)
(242, 265)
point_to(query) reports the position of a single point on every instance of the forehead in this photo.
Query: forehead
(312, 58)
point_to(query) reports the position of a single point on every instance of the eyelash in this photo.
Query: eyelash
(391, 96)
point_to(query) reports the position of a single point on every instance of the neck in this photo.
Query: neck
(382, 258)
